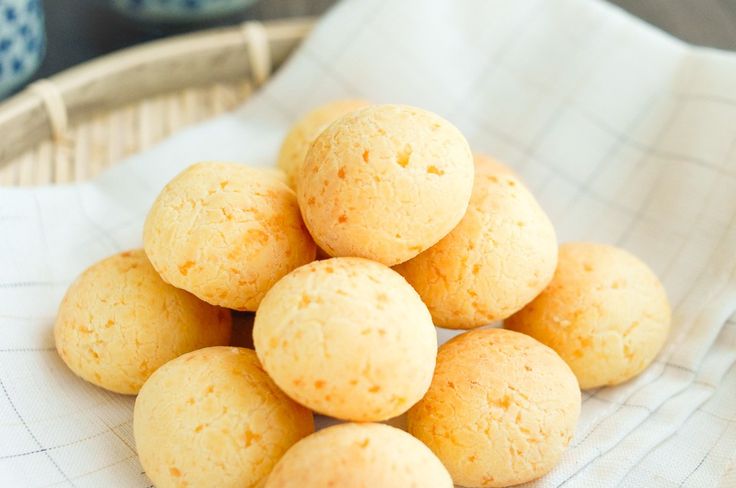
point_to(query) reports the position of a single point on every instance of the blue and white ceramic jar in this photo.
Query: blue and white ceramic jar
(22, 42)
(180, 10)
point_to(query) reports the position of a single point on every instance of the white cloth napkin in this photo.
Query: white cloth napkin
(625, 135)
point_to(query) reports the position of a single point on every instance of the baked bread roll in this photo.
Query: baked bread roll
(359, 456)
(348, 338)
(119, 321)
(605, 313)
(226, 233)
(501, 409)
(385, 183)
(214, 418)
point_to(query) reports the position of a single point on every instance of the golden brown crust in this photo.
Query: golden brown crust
(359, 456)
(226, 233)
(501, 409)
(604, 312)
(214, 418)
(347, 337)
(385, 183)
(119, 322)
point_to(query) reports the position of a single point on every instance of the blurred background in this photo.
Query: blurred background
(79, 30)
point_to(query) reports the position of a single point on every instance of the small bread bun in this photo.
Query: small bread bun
(213, 417)
(226, 233)
(501, 409)
(604, 312)
(359, 456)
(119, 322)
(385, 183)
(348, 338)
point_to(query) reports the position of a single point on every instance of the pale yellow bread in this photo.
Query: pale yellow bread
(347, 337)
(226, 233)
(213, 418)
(501, 409)
(605, 313)
(119, 321)
(499, 257)
(359, 456)
(385, 183)
(305, 131)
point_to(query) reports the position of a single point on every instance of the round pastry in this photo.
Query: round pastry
(604, 312)
(385, 183)
(226, 233)
(499, 257)
(213, 417)
(305, 131)
(359, 456)
(119, 321)
(348, 338)
(501, 409)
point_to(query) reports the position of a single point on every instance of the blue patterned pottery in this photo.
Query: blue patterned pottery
(22, 42)
(179, 10)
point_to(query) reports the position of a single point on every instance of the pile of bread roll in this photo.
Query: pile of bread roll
(416, 233)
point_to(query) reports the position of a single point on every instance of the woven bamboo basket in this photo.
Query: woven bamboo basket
(72, 126)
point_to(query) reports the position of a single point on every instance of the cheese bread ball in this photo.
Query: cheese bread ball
(499, 257)
(605, 313)
(226, 233)
(305, 131)
(385, 183)
(359, 456)
(501, 409)
(214, 418)
(348, 338)
(119, 321)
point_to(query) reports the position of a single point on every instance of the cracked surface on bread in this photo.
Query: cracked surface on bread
(226, 233)
(119, 321)
(604, 312)
(303, 133)
(496, 260)
(213, 417)
(385, 183)
(347, 337)
(501, 409)
(359, 456)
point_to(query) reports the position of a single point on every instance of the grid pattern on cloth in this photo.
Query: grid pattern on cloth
(625, 135)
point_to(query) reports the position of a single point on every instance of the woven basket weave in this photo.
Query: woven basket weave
(75, 124)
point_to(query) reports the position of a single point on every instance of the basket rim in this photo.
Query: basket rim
(131, 74)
